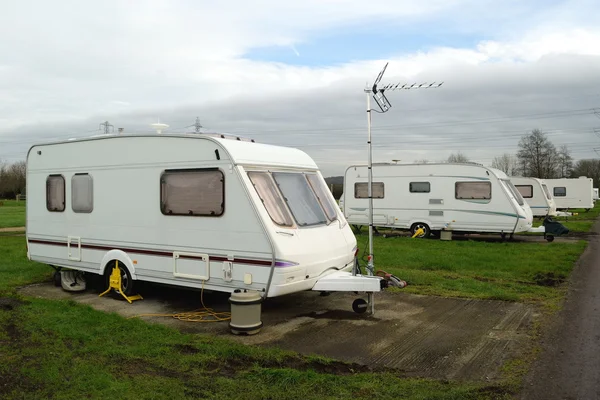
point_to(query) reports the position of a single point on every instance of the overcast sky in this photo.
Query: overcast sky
(294, 72)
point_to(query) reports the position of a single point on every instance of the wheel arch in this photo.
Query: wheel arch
(122, 257)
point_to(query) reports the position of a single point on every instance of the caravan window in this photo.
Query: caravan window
(547, 192)
(473, 190)
(525, 190)
(300, 198)
(560, 191)
(419, 187)
(361, 190)
(270, 197)
(515, 192)
(322, 193)
(55, 193)
(197, 192)
(82, 200)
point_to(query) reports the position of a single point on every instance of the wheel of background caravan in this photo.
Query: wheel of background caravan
(126, 280)
(56, 278)
(422, 225)
(550, 238)
(359, 306)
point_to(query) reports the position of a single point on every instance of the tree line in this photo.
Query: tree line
(12, 179)
(538, 157)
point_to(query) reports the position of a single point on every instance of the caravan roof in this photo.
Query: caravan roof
(240, 151)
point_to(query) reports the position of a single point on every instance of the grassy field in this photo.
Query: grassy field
(66, 350)
(515, 271)
(12, 214)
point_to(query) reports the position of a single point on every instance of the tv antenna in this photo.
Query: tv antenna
(378, 94)
(107, 127)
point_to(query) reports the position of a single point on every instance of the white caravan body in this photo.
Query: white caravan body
(572, 192)
(194, 210)
(460, 197)
(596, 194)
(537, 194)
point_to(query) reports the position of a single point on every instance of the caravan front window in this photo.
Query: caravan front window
(300, 198)
(323, 195)
(269, 195)
(547, 192)
(516, 194)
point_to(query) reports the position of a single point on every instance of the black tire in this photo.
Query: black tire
(57, 279)
(360, 306)
(550, 238)
(126, 281)
(416, 226)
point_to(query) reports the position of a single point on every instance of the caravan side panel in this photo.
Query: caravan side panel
(126, 213)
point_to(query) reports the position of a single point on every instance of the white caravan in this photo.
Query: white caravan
(572, 193)
(460, 197)
(596, 194)
(537, 195)
(194, 210)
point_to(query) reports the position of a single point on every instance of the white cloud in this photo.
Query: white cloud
(70, 65)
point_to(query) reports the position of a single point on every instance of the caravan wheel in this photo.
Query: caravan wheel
(126, 281)
(420, 225)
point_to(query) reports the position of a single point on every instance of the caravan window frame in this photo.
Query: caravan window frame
(527, 186)
(366, 196)
(559, 195)
(546, 191)
(191, 170)
(64, 193)
(411, 190)
(326, 204)
(456, 188)
(279, 202)
(82, 210)
(296, 209)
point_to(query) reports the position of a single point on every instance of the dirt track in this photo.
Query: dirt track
(569, 365)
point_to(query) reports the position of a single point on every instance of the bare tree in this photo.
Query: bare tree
(589, 168)
(457, 158)
(565, 162)
(506, 163)
(12, 179)
(537, 156)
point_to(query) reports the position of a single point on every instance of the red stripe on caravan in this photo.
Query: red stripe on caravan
(160, 253)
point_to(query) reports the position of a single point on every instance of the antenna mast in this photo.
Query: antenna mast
(378, 95)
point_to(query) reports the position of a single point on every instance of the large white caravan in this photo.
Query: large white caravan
(572, 192)
(460, 197)
(195, 210)
(537, 195)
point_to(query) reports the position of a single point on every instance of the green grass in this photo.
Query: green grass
(511, 271)
(62, 349)
(67, 350)
(12, 214)
(15, 269)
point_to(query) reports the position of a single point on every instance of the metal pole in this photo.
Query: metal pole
(370, 267)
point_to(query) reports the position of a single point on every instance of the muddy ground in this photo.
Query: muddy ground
(422, 336)
(569, 365)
